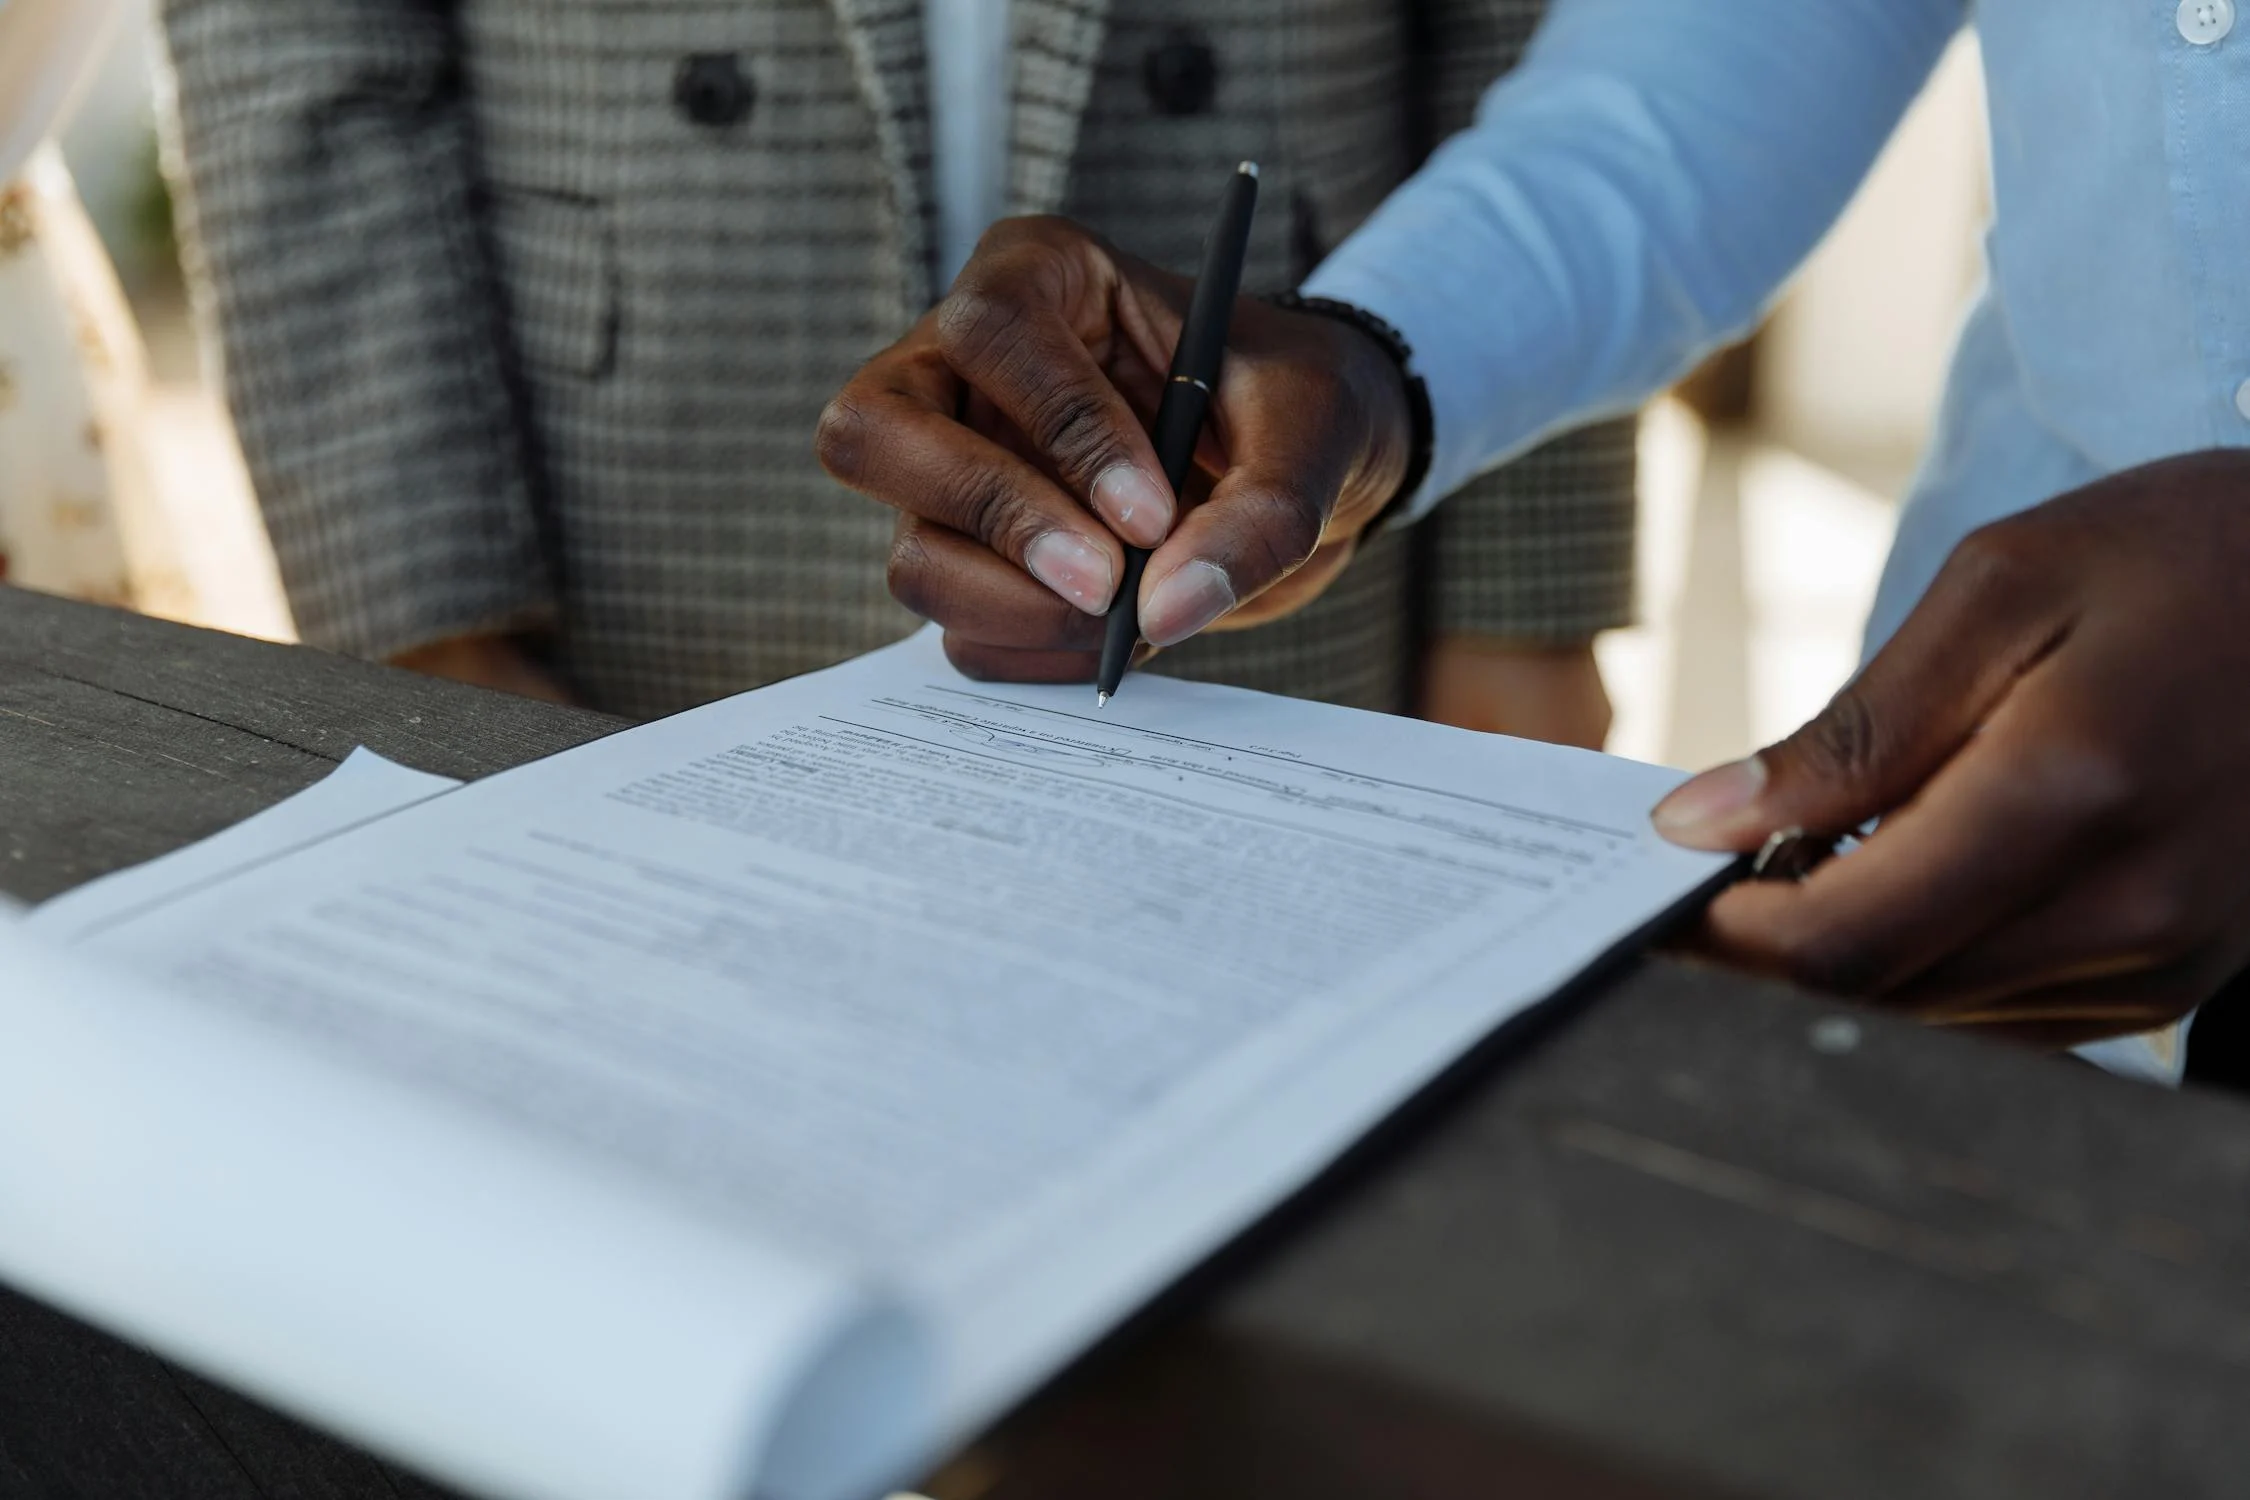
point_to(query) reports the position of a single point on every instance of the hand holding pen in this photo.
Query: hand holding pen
(1010, 429)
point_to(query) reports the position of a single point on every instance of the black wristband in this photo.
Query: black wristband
(1421, 424)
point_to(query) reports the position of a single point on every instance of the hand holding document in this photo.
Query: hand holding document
(771, 1095)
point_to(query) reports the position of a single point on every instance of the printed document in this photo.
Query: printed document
(872, 1043)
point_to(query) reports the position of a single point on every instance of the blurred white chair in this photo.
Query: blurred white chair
(80, 513)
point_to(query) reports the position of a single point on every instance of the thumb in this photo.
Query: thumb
(1291, 436)
(1264, 521)
(1987, 620)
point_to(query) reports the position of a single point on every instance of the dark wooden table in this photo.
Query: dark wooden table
(1696, 1237)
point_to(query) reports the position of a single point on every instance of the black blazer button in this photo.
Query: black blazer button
(1181, 73)
(711, 89)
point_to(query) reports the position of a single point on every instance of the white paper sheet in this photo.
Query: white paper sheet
(407, 1271)
(364, 786)
(962, 987)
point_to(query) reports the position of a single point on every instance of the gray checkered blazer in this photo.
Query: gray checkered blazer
(527, 307)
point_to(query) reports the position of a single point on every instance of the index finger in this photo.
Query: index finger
(1007, 329)
(890, 434)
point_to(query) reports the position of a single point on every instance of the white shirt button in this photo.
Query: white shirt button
(2205, 22)
(2242, 400)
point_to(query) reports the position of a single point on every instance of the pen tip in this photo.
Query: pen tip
(1101, 700)
(1248, 169)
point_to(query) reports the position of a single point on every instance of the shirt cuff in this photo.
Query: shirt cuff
(1423, 315)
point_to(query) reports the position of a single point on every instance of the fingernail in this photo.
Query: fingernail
(1706, 813)
(1074, 568)
(1138, 506)
(1184, 603)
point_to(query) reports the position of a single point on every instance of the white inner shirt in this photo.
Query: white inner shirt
(969, 78)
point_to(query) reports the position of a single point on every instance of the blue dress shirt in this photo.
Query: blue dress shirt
(1637, 192)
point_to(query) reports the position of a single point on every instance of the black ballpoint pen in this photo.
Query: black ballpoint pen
(1187, 397)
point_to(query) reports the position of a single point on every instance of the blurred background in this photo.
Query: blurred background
(1769, 483)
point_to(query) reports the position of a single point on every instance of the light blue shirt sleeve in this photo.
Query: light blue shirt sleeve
(1629, 199)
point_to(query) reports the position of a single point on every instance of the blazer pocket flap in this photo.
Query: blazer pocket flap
(558, 274)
